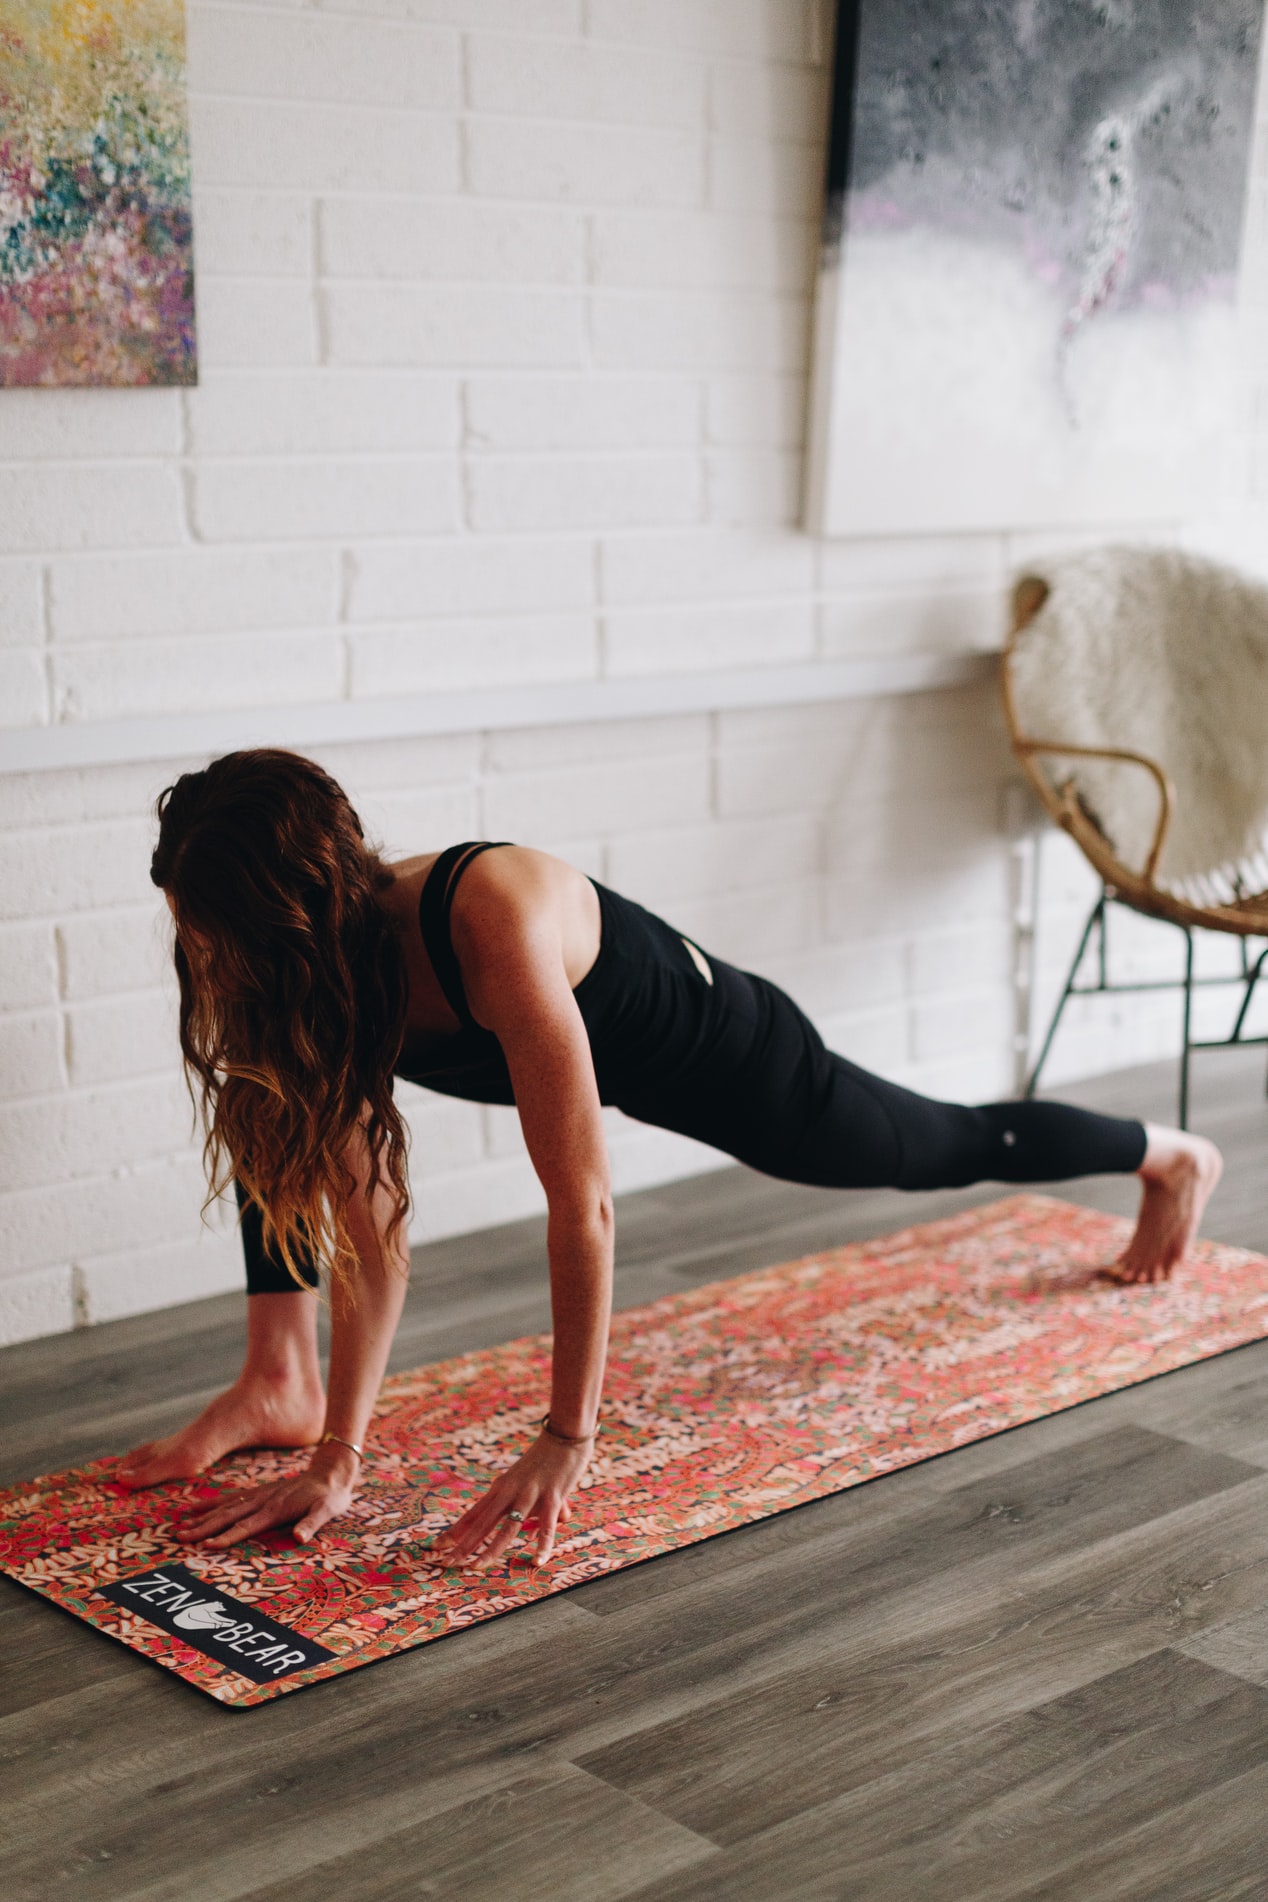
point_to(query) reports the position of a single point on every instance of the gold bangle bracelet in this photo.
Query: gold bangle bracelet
(339, 1441)
(568, 1439)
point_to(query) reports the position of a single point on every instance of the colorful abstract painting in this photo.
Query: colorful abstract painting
(96, 252)
(723, 1406)
(1031, 247)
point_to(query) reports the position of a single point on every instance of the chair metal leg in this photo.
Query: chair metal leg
(1251, 975)
(1097, 916)
(1188, 1016)
(1252, 970)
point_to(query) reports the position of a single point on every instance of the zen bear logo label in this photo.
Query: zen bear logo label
(237, 1635)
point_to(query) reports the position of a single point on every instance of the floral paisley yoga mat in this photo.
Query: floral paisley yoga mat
(723, 1406)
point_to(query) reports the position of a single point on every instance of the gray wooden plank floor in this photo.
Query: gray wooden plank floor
(1033, 1668)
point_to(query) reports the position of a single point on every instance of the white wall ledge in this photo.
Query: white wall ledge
(419, 716)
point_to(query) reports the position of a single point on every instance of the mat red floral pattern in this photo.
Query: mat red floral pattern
(723, 1406)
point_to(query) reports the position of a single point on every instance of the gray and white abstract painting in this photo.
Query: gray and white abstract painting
(1027, 299)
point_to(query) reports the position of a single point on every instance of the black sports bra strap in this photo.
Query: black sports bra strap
(434, 906)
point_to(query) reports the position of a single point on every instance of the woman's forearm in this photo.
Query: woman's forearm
(580, 1244)
(364, 1312)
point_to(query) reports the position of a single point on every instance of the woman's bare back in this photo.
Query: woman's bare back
(504, 880)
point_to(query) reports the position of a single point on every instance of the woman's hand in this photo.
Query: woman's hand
(536, 1489)
(307, 1502)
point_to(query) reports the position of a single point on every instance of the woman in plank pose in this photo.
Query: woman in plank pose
(311, 973)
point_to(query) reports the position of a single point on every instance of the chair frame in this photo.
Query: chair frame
(1244, 917)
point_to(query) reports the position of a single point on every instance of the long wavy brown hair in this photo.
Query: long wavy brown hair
(292, 995)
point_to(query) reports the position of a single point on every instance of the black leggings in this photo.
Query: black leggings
(767, 1091)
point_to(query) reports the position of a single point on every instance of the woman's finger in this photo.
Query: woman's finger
(283, 1510)
(245, 1528)
(505, 1533)
(477, 1524)
(463, 1524)
(230, 1505)
(264, 1506)
(492, 1533)
(548, 1515)
(217, 1516)
(458, 1536)
(313, 1521)
(205, 1523)
(490, 1554)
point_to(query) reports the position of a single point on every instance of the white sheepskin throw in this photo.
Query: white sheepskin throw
(1168, 655)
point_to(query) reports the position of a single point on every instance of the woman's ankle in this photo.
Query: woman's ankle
(269, 1375)
(1172, 1151)
(281, 1349)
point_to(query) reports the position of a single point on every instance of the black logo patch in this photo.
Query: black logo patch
(236, 1635)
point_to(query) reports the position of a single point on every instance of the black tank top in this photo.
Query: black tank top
(645, 1001)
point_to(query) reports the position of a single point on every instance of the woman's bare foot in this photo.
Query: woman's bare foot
(1179, 1173)
(250, 1413)
(277, 1400)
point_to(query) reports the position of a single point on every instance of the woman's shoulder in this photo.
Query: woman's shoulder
(508, 878)
(531, 898)
(484, 876)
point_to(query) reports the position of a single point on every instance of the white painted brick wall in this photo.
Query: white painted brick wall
(459, 242)
(448, 655)
(551, 412)
(31, 1053)
(31, 427)
(583, 492)
(320, 147)
(324, 499)
(453, 324)
(701, 250)
(248, 323)
(544, 82)
(504, 318)
(688, 640)
(357, 412)
(89, 505)
(101, 682)
(23, 686)
(193, 590)
(361, 61)
(699, 330)
(583, 164)
(28, 966)
(480, 575)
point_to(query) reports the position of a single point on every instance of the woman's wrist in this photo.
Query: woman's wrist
(340, 1458)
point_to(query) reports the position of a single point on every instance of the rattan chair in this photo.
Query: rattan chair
(1134, 626)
